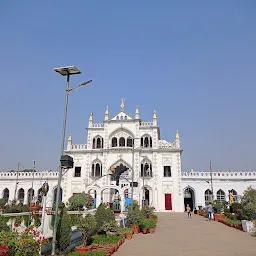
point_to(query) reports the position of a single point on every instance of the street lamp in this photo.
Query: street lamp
(64, 71)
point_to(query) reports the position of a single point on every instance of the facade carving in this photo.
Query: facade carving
(116, 149)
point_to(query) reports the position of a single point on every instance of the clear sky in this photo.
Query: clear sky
(191, 61)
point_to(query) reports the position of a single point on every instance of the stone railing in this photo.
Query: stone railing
(142, 123)
(163, 144)
(220, 175)
(97, 125)
(78, 146)
(28, 175)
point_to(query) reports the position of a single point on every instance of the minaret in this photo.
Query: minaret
(137, 113)
(177, 139)
(106, 114)
(69, 146)
(90, 120)
(154, 118)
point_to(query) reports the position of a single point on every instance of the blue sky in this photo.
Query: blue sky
(192, 61)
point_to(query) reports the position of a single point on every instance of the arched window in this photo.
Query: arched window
(146, 169)
(6, 194)
(129, 142)
(114, 142)
(31, 193)
(96, 170)
(221, 195)
(235, 195)
(94, 143)
(208, 196)
(121, 118)
(125, 118)
(141, 142)
(146, 142)
(39, 196)
(99, 143)
(122, 142)
(21, 195)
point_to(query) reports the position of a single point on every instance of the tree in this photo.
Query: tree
(3, 224)
(78, 201)
(249, 196)
(103, 214)
(87, 226)
(64, 231)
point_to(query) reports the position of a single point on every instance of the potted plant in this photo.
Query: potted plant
(218, 209)
(147, 211)
(152, 226)
(145, 224)
(87, 226)
(122, 231)
(110, 228)
(134, 217)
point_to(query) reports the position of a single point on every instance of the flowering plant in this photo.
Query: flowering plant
(26, 243)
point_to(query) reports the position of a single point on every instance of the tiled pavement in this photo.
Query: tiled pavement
(178, 236)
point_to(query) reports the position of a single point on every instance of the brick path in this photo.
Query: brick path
(177, 236)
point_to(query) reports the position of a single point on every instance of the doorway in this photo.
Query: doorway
(168, 201)
(189, 198)
(146, 193)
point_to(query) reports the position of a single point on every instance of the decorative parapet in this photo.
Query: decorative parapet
(142, 123)
(78, 146)
(219, 175)
(98, 125)
(28, 175)
(163, 144)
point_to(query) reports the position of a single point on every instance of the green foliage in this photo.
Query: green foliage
(147, 211)
(74, 218)
(37, 222)
(2, 202)
(18, 221)
(232, 221)
(3, 224)
(148, 223)
(219, 206)
(124, 230)
(20, 244)
(250, 210)
(110, 226)
(64, 231)
(134, 215)
(87, 226)
(78, 201)
(103, 239)
(249, 196)
(103, 214)
(27, 220)
(88, 254)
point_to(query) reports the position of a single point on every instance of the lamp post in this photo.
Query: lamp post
(64, 71)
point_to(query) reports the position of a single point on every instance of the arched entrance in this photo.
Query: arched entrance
(117, 172)
(111, 197)
(147, 197)
(189, 198)
(93, 193)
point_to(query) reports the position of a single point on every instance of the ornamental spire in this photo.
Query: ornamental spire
(177, 135)
(122, 104)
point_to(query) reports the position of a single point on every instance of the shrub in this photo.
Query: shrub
(110, 226)
(78, 201)
(3, 224)
(87, 226)
(37, 222)
(147, 211)
(2, 202)
(64, 231)
(103, 214)
(249, 196)
(250, 211)
(134, 215)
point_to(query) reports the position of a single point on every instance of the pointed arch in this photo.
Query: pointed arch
(6, 194)
(208, 196)
(119, 162)
(221, 195)
(121, 129)
(31, 194)
(21, 195)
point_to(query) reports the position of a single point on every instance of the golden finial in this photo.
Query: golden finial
(137, 110)
(106, 113)
(122, 103)
(90, 118)
(70, 137)
(177, 135)
(154, 116)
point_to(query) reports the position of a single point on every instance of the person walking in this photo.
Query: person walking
(188, 209)
(209, 211)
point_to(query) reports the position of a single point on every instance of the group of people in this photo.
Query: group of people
(209, 209)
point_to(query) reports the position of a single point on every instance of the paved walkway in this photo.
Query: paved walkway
(178, 236)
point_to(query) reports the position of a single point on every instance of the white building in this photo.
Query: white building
(117, 146)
